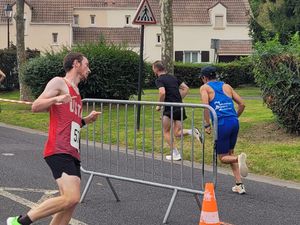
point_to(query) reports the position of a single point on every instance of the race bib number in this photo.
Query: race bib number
(75, 135)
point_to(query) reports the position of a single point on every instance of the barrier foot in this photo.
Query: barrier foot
(198, 201)
(87, 186)
(170, 206)
(112, 189)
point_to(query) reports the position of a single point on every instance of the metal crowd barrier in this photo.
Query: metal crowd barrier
(114, 149)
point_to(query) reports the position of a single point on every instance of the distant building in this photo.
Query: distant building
(204, 30)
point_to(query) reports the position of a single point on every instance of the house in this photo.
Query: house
(204, 30)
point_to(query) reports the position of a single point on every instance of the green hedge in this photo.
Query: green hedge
(277, 72)
(114, 71)
(8, 64)
(234, 73)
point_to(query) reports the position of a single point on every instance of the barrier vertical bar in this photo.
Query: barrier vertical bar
(87, 137)
(152, 117)
(162, 143)
(109, 139)
(126, 135)
(118, 137)
(172, 144)
(143, 142)
(102, 135)
(193, 146)
(94, 140)
(135, 130)
(181, 145)
(203, 153)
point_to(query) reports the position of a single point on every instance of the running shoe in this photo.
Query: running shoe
(242, 164)
(239, 189)
(176, 157)
(197, 134)
(12, 221)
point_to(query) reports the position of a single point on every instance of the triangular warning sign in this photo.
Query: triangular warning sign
(144, 14)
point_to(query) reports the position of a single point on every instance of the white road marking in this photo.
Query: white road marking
(4, 192)
(8, 154)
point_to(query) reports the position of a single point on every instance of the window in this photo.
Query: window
(76, 19)
(54, 38)
(219, 21)
(158, 38)
(191, 57)
(93, 19)
(179, 56)
(127, 20)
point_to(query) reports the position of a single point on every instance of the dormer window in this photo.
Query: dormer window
(219, 21)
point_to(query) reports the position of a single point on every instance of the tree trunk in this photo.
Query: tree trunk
(21, 55)
(167, 47)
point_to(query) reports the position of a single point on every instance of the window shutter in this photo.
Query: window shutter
(179, 56)
(205, 56)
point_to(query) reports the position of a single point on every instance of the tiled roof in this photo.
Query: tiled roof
(235, 47)
(127, 35)
(184, 11)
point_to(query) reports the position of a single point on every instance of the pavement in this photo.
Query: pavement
(25, 180)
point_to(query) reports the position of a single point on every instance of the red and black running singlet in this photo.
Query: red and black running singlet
(64, 127)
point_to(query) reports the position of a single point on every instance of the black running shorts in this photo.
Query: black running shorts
(63, 163)
(176, 113)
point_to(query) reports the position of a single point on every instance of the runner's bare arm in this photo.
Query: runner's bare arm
(239, 101)
(183, 89)
(51, 95)
(205, 100)
(92, 117)
(162, 95)
(2, 76)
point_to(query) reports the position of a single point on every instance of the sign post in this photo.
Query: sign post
(143, 16)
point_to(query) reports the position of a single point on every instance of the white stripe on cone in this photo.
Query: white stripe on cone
(209, 217)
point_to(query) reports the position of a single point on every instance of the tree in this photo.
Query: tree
(271, 17)
(21, 55)
(167, 36)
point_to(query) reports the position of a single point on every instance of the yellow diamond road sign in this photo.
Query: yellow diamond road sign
(144, 14)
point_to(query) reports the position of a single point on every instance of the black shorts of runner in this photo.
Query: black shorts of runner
(63, 163)
(176, 113)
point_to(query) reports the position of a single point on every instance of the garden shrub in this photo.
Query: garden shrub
(277, 72)
(8, 64)
(234, 73)
(114, 71)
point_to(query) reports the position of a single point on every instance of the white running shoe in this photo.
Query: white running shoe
(197, 134)
(239, 189)
(242, 164)
(176, 157)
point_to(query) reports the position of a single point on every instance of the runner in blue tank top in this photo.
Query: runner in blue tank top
(220, 97)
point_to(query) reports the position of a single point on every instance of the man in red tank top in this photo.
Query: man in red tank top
(62, 99)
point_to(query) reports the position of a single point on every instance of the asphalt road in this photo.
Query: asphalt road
(25, 180)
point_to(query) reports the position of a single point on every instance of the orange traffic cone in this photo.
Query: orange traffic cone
(209, 213)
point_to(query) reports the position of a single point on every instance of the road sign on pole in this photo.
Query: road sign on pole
(144, 14)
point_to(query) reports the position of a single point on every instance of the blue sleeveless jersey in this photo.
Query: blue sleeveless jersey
(222, 104)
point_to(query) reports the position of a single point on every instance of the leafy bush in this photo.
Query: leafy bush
(114, 71)
(234, 73)
(8, 64)
(277, 72)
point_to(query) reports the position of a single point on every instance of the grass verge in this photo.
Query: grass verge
(271, 151)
